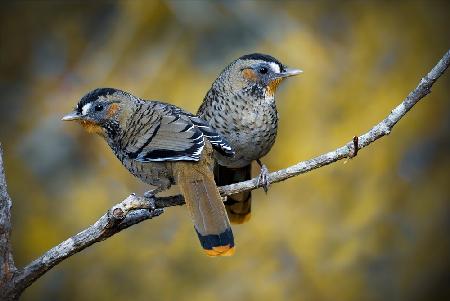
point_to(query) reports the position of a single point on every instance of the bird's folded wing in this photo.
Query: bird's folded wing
(172, 137)
(218, 142)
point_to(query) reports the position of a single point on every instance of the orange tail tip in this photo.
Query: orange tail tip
(220, 251)
(217, 244)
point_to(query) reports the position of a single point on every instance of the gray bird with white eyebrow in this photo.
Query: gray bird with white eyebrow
(241, 107)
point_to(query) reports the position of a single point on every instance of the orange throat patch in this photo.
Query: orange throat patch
(92, 127)
(272, 86)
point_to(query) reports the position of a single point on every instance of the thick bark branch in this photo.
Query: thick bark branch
(135, 209)
(7, 268)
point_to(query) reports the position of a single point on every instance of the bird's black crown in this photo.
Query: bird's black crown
(93, 96)
(263, 57)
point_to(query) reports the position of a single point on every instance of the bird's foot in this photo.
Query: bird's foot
(263, 179)
(150, 197)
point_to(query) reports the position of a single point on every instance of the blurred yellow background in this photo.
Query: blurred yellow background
(375, 228)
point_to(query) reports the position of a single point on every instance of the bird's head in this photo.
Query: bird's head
(101, 111)
(258, 73)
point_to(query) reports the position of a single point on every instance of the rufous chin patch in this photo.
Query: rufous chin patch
(272, 86)
(249, 74)
(92, 127)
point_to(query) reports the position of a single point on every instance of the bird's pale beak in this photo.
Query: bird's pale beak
(289, 72)
(72, 116)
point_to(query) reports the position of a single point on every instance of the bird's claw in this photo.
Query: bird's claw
(263, 179)
(150, 197)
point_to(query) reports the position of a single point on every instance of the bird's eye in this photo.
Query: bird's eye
(263, 70)
(98, 108)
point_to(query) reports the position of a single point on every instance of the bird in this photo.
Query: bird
(162, 145)
(240, 106)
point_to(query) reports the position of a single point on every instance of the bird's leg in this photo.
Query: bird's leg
(263, 179)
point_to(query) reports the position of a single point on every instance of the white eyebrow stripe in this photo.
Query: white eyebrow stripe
(85, 108)
(275, 67)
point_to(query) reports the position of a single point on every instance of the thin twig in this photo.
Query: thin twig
(135, 209)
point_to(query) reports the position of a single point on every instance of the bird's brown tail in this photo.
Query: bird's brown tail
(238, 205)
(205, 205)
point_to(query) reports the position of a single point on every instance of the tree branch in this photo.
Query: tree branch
(134, 209)
(348, 150)
(7, 267)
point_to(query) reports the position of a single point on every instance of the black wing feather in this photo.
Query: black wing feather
(162, 133)
(218, 142)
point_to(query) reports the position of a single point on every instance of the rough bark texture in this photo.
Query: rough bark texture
(7, 267)
(136, 209)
